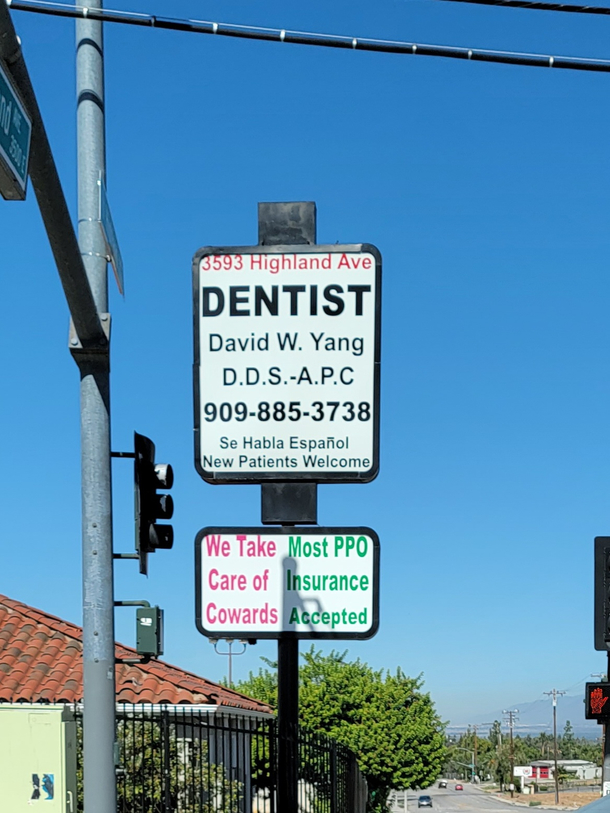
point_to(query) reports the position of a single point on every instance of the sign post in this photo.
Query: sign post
(15, 136)
(286, 381)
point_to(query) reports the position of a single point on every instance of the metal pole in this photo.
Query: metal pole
(288, 722)
(98, 589)
(288, 504)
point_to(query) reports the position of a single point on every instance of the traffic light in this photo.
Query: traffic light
(150, 506)
(597, 702)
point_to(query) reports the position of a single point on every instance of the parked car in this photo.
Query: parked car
(442, 784)
(424, 801)
(459, 787)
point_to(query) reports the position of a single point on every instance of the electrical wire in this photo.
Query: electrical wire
(312, 39)
(537, 5)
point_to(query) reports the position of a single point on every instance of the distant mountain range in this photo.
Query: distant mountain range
(536, 717)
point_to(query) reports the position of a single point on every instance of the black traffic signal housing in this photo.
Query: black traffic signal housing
(149, 631)
(602, 594)
(150, 506)
(597, 702)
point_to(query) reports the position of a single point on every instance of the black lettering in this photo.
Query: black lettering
(359, 290)
(294, 291)
(260, 296)
(329, 296)
(235, 300)
(313, 300)
(206, 307)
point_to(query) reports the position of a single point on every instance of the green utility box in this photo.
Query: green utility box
(149, 636)
(37, 759)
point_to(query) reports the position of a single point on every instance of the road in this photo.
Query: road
(448, 800)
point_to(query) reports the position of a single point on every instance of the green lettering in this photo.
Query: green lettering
(294, 546)
(333, 584)
(294, 616)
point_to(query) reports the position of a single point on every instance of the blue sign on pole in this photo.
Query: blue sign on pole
(15, 137)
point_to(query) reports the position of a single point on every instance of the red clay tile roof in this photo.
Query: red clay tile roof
(41, 661)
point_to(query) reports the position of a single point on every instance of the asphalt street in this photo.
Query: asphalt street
(449, 800)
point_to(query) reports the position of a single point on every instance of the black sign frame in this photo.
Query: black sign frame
(601, 717)
(286, 531)
(283, 475)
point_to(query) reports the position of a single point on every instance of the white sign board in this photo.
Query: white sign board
(286, 371)
(296, 582)
(523, 770)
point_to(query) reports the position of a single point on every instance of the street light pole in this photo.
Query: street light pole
(230, 654)
(99, 692)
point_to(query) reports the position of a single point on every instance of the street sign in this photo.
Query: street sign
(15, 136)
(286, 371)
(110, 239)
(597, 702)
(287, 583)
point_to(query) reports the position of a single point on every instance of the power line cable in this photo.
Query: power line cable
(309, 38)
(536, 5)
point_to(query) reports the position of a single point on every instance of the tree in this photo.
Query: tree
(567, 742)
(384, 718)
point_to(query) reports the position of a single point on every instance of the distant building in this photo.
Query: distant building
(543, 770)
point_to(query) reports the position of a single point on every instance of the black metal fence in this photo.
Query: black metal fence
(183, 759)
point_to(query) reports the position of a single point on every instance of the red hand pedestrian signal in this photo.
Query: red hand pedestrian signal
(597, 701)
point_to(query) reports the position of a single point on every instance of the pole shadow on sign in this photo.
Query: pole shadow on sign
(290, 569)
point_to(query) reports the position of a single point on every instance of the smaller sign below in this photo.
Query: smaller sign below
(287, 583)
(15, 137)
(110, 238)
(597, 702)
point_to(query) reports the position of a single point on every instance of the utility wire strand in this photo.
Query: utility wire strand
(309, 38)
(570, 8)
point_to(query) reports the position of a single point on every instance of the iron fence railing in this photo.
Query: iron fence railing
(184, 759)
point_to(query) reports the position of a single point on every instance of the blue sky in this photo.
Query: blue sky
(485, 187)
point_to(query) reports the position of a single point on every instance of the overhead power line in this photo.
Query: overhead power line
(570, 8)
(310, 38)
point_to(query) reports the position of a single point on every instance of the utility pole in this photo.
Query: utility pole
(99, 691)
(554, 693)
(474, 756)
(512, 716)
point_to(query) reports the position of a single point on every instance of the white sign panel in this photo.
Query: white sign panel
(270, 583)
(286, 369)
(523, 770)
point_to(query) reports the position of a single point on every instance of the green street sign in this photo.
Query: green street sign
(15, 136)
